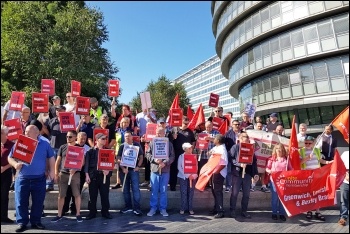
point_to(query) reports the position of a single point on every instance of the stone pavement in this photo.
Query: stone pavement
(201, 222)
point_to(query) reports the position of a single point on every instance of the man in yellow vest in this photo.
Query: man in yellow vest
(96, 111)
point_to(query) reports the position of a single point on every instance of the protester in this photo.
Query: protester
(96, 111)
(111, 128)
(95, 177)
(31, 182)
(238, 181)
(259, 124)
(302, 134)
(56, 101)
(273, 123)
(278, 162)
(86, 126)
(6, 174)
(245, 123)
(132, 177)
(219, 175)
(327, 143)
(310, 158)
(160, 173)
(280, 130)
(62, 176)
(71, 107)
(25, 118)
(186, 187)
(344, 191)
(218, 112)
(125, 113)
(10, 114)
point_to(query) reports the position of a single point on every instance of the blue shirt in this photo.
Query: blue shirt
(38, 166)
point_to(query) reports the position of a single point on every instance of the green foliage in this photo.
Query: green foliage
(59, 40)
(162, 92)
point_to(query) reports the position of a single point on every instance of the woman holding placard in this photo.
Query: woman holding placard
(278, 162)
(187, 181)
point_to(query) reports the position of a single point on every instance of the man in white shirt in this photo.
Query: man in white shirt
(10, 114)
(70, 107)
(344, 192)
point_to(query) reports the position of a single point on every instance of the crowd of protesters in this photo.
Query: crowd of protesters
(47, 166)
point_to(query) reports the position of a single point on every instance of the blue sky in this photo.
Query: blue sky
(150, 39)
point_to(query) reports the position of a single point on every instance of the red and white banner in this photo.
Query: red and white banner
(15, 128)
(105, 159)
(74, 158)
(17, 100)
(175, 117)
(190, 164)
(67, 121)
(24, 149)
(48, 86)
(303, 190)
(151, 130)
(83, 105)
(246, 152)
(75, 88)
(40, 102)
(202, 143)
(207, 171)
(113, 88)
(213, 100)
(104, 132)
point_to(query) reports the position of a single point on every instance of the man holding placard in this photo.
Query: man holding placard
(161, 155)
(31, 178)
(130, 158)
(244, 168)
(68, 177)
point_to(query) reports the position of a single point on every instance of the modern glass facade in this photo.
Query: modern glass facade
(289, 57)
(204, 79)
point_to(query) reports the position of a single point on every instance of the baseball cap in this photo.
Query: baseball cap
(99, 135)
(186, 145)
(55, 97)
(60, 107)
(161, 120)
(273, 115)
(309, 138)
(36, 123)
(93, 100)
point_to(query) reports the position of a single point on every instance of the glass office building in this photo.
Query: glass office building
(204, 79)
(288, 57)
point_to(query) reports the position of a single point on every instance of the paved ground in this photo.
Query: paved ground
(201, 222)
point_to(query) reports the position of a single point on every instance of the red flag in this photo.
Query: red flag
(293, 148)
(197, 119)
(189, 113)
(341, 122)
(223, 128)
(175, 103)
(336, 175)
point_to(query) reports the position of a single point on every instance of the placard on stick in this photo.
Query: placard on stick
(74, 158)
(83, 105)
(105, 159)
(175, 117)
(246, 152)
(104, 132)
(48, 86)
(25, 149)
(151, 130)
(190, 164)
(75, 88)
(40, 102)
(145, 100)
(129, 156)
(67, 121)
(213, 100)
(15, 128)
(160, 148)
(17, 101)
(201, 143)
(113, 88)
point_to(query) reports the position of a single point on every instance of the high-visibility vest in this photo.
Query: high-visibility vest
(316, 152)
(96, 114)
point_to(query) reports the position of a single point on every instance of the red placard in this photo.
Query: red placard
(48, 86)
(104, 132)
(175, 117)
(15, 128)
(24, 149)
(151, 130)
(136, 139)
(246, 152)
(113, 88)
(213, 100)
(40, 102)
(228, 116)
(83, 105)
(17, 101)
(105, 159)
(217, 122)
(74, 158)
(201, 143)
(75, 88)
(190, 164)
(67, 121)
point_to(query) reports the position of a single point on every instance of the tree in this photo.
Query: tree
(60, 40)
(162, 93)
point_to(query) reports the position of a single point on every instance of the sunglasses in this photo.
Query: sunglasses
(103, 138)
(69, 137)
(218, 111)
(236, 124)
(308, 143)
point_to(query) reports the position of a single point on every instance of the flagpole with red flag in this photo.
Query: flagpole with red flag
(189, 112)
(197, 119)
(336, 175)
(293, 148)
(223, 128)
(341, 122)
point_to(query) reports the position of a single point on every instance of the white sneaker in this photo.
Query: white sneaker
(151, 212)
(164, 213)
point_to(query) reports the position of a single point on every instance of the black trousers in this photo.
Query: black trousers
(97, 186)
(69, 196)
(217, 182)
(173, 173)
(6, 180)
(147, 164)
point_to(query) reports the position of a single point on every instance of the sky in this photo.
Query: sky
(155, 38)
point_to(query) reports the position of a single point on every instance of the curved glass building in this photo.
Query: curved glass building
(288, 57)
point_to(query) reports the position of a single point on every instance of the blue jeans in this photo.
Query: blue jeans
(50, 181)
(23, 189)
(276, 204)
(159, 184)
(344, 201)
(133, 179)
